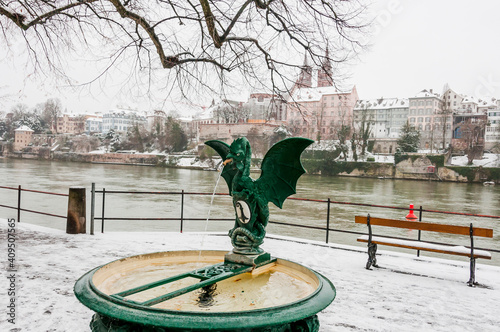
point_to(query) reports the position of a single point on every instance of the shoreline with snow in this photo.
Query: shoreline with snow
(416, 167)
(406, 293)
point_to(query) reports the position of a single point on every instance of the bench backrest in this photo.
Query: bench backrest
(426, 226)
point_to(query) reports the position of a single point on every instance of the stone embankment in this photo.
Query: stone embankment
(411, 168)
(422, 168)
(138, 159)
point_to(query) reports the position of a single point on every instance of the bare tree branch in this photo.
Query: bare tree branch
(211, 37)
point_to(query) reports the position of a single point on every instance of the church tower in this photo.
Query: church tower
(305, 78)
(325, 73)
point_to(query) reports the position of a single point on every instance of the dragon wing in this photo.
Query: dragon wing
(222, 149)
(281, 168)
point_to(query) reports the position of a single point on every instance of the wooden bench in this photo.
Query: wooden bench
(470, 231)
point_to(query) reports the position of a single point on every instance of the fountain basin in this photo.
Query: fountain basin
(270, 297)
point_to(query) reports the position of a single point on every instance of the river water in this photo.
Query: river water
(59, 176)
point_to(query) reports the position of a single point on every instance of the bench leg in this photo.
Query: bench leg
(472, 280)
(372, 259)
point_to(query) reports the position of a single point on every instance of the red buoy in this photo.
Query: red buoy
(411, 215)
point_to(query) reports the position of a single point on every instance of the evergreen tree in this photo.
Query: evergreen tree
(409, 139)
(113, 140)
(3, 128)
(30, 120)
(175, 138)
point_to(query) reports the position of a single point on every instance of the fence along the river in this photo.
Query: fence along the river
(182, 219)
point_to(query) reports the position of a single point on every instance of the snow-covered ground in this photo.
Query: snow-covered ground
(406, 294)
(488, 160)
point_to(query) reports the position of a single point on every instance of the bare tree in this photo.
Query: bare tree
(228, 111)
(445, 112)
(51, 110)
(84, 144)
(200, 41)
(364, 129)
(318, 119)
(472, 137)
(19, 110)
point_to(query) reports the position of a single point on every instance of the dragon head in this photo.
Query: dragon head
(239, 154)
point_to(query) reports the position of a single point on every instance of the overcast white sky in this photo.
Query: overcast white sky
(416, 45)
(425, 44)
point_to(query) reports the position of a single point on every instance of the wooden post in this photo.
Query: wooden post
(76, 220)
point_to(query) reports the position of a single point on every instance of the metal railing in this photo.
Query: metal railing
(182, 218)
(327, 229)
(19, 190)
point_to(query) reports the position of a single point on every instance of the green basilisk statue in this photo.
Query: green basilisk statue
(281, 168)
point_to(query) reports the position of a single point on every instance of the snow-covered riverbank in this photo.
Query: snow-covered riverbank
(407, 294)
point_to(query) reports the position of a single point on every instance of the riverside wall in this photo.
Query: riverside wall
(416, 168)
(422, 168)
(104, 158)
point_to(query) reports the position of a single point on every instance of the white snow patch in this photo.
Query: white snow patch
(488, 160)
(407, 293)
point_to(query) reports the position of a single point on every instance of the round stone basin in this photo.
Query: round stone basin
(274, 294)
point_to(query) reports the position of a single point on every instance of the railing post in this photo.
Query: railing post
(92, 208)
(77, 212)
(102, 216)
(182, 210)
(419, 231)
(19, 204)
(328, 220)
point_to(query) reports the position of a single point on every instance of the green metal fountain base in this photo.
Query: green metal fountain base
(105, 324)
(117, 312)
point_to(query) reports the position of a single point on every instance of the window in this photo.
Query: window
(427, 119)
(428, 127)
(420, 120)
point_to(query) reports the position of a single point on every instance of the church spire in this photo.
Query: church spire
(325, 73)
(305, 77)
